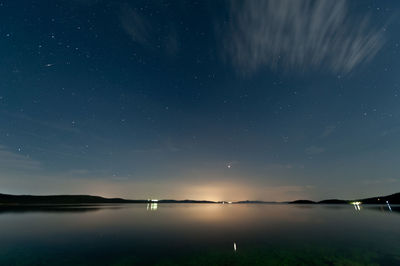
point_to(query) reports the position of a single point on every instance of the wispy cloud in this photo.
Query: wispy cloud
(58, 126)
(299, 34)
(380, 181)
(144, 30)
(328, 131)
(167, 146)
(390, 131)
(314, 150)
(171, 42)
(16, 161)
(87, 2)
(135, 24)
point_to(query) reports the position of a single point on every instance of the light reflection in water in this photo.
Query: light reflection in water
(387, 202)
(152, 206)
(133, 232)
(356, 205)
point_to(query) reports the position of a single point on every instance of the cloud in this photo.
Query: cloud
(16, 161)
(87, 2)
(390, 131)
(135, 25)
(171, 42)
(146, 32)
(166, 146)
(314, 150)
(171, 146)
(328, 131)
(274, 166)
(58, 126)
(380, 181)
(299, 34)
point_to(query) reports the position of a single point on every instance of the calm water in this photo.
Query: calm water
(200, 234)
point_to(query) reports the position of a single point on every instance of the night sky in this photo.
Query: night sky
(268, 100)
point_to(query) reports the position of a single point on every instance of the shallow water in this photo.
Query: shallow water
(200, 234)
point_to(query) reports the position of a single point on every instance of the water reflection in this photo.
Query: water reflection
(387, 202)
(357, 205)
(55, 208)
(152, 206)
(128, 231)
(394, 209)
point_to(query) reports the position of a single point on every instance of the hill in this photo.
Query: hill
(6, 199)
(392, 199)
(61, 199)
(333, 201)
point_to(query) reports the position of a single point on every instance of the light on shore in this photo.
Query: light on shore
(356, 205)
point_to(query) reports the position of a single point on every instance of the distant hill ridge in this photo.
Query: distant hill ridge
(392, 199)
(7, 199)
(80, 199)
(59, 199)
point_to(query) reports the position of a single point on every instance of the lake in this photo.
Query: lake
(200, 234)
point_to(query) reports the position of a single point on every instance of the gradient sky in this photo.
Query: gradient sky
(267, 100)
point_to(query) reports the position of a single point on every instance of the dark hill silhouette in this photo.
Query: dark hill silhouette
(6, 199)
(333, 201)
(61, 199)
(392, 199)
(79, 199)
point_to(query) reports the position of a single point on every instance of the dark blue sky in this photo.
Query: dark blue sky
(271, 100)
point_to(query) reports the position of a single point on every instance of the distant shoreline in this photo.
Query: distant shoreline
(73, 200)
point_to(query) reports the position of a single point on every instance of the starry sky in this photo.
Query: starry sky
(219, 100)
